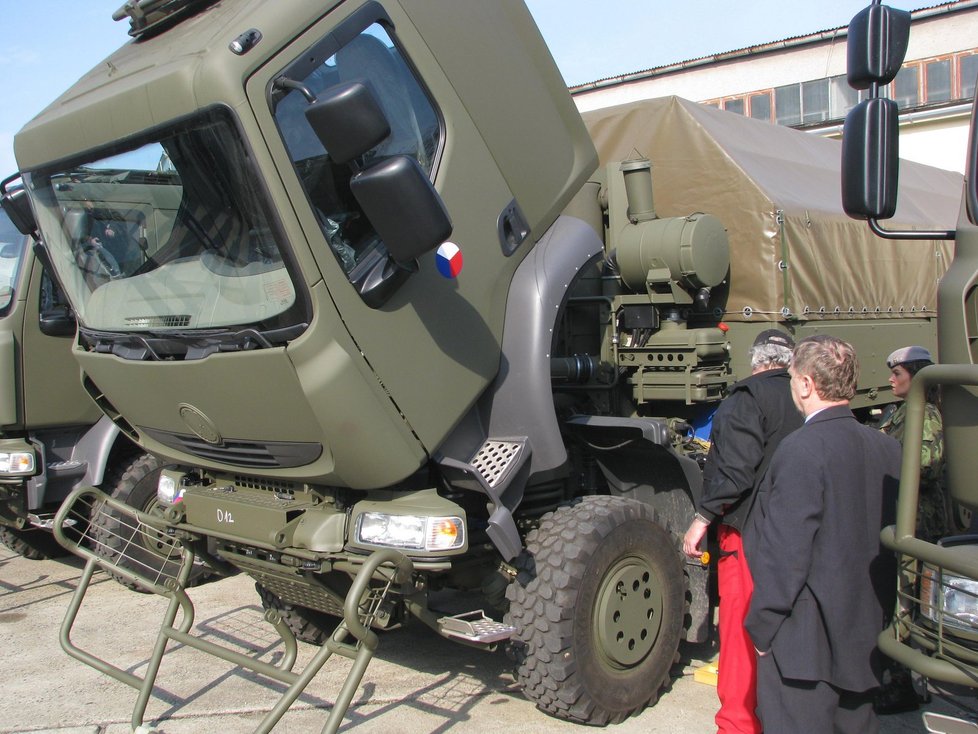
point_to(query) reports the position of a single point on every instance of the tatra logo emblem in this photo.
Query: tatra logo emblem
(200, 424)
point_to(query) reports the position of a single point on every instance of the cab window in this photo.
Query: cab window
(372, 58)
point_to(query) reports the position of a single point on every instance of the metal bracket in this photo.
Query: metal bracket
(352, 638)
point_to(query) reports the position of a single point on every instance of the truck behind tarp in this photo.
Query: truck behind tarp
(795, 255)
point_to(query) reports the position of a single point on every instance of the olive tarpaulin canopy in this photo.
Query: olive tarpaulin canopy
(794, 252)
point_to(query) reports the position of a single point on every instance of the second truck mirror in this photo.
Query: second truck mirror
(870, 160)
(403, 207)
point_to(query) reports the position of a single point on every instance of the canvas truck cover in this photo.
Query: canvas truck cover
(795, 254)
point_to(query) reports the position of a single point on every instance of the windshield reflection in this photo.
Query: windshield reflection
(170, 237)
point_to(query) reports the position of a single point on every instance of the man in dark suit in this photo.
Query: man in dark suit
(823, 584)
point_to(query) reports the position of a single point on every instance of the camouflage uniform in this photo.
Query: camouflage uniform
(932, 512)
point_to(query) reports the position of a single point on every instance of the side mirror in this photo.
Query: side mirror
(876, 45)
(57, 322)
(870, 160)
(17, 207)
(348, 121)
(403, 206)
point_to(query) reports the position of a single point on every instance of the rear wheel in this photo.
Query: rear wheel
(133, 481)
(598, 606)
(33, 543)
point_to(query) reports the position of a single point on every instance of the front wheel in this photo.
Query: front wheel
(31, 543)
(144, 552)
(308, 625)
(598, 606)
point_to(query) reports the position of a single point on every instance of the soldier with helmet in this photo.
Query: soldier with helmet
(898, 694)
(932, 509)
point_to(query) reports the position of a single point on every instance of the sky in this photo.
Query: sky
(46, 46)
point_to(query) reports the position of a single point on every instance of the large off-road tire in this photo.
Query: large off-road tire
(308, 625)
(598, 606)
(134, 481)
(33, 543)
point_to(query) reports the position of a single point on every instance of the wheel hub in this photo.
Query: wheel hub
(629, 613)
(153, 539)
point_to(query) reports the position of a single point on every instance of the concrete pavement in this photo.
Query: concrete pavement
(417, 683)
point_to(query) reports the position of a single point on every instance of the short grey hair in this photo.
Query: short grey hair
(769, 354)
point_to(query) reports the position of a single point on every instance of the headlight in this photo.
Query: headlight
(17, 462)
(947, 598)
(416, 532)
(168, 490)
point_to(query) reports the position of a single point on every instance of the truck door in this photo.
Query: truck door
(434, 341)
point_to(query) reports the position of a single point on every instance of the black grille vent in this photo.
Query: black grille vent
(266, 485)
(250, 454)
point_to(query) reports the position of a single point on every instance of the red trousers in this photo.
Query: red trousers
(737, 675)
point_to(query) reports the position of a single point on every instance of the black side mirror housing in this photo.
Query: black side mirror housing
(876, 45)
(348, 121)
(403, 206)
(870, 160)
(17, 206)
(57, 322)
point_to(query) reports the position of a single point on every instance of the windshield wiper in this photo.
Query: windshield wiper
(186, 345)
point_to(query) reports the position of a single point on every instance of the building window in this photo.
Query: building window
(787, 104)
(760, 106)
(815, 101)
(968, 75)
(736, 105)
(842, 97)
(928, 82)
(905, 88)
(937, 83)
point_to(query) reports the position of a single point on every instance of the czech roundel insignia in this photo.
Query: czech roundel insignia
(448, 258)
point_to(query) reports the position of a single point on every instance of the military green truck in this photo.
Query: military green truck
(53, 438)
(935, 627)
(397, 333)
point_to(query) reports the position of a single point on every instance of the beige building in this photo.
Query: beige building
(800, 82)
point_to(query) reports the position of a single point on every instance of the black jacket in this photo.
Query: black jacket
(823, 583)
(747, 428)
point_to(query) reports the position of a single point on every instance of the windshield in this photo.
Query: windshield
(169, 237)
(13, 246)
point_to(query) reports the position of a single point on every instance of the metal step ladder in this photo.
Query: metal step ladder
(352, 638)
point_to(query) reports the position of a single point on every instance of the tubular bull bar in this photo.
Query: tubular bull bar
(74, 527)
(935, 646)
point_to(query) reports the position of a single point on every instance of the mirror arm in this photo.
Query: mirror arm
(283, 82)
(909, 234)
